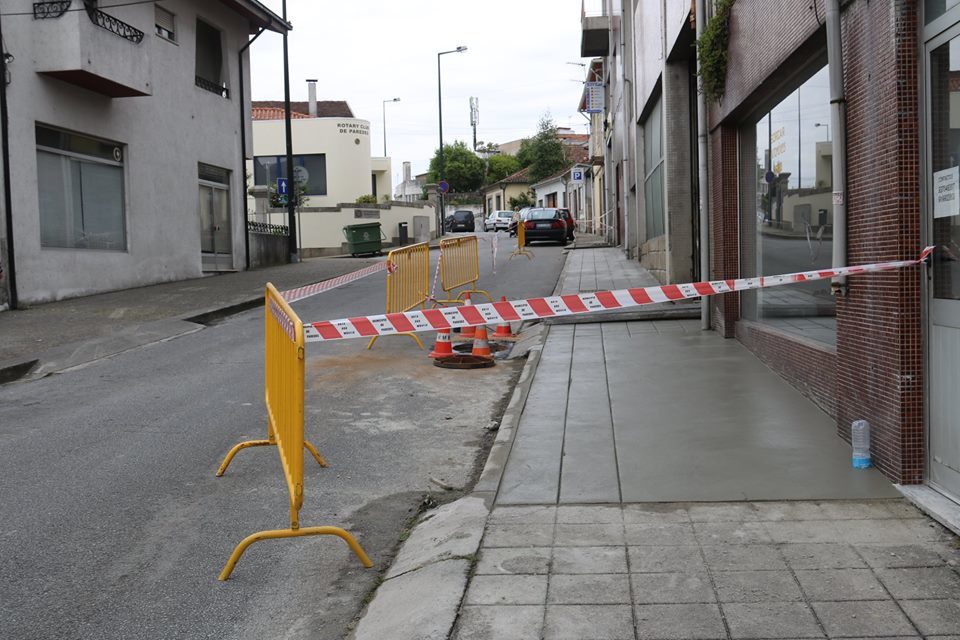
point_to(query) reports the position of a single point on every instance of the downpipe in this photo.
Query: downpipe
(703, 178)
(838, 125)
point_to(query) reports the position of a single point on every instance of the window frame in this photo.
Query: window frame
(89, 159)
(169, 36)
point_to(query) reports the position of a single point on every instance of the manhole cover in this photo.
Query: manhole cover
(463, 362)
(467, 347)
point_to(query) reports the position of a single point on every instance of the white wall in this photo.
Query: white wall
(323, 229)
(165, 136)
(345, 141)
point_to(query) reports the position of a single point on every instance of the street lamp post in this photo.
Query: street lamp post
(440, 173)
(292, 245)
(823, 124)
(385, 124)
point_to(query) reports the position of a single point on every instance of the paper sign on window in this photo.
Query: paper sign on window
(946, 193)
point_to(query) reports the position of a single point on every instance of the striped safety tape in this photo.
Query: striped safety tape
(300, 293)
(536, 308)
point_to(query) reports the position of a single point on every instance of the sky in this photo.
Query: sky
(368, 51)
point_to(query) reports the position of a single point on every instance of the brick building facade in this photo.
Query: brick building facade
(868, 353)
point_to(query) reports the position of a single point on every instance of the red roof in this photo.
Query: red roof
(273, 113)
(298, 109)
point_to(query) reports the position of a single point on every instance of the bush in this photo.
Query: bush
(366, 199)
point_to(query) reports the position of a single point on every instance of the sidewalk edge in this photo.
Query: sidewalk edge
(377, 619)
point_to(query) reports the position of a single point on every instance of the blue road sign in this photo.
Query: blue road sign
(444, 186)
(282, 187)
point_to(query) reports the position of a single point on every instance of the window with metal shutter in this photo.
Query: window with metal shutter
(165, 23)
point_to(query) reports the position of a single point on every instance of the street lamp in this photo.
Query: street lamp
(823, 124)
(385, 124)
(460, 49)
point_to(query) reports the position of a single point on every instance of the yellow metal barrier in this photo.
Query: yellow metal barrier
(408, 282)
(284, 384)
(460, 267)
(522, 242)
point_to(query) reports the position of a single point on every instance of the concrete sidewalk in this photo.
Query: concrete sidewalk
(51, 337)
(650, 480)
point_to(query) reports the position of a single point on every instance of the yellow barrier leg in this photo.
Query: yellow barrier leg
(236, 449)
(294, 533)
(370, 344)
(316, 454)
(264, 443)
(415, 337)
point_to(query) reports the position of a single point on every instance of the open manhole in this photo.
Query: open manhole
(467, 347)
(463, 362)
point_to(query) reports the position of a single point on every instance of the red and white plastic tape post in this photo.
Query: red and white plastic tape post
(313, 289)
(537, 308)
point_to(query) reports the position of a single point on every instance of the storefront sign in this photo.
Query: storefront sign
(594, 97)
(946, 184)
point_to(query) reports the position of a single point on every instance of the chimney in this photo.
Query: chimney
(312, 93)
(406, 172)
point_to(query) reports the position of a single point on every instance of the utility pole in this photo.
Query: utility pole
(474, 119)
(291, 202)
(7, 199)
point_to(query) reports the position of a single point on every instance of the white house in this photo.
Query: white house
(126, 125)
(330, 145)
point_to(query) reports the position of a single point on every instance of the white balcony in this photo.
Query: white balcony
(100, 50)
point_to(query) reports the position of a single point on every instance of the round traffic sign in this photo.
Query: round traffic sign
(443, 186)
(300, 175)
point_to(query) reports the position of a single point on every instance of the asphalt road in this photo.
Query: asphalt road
(113, 525)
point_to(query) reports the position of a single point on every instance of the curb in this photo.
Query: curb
(423, 589)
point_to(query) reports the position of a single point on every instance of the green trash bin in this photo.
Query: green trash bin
(364, 238)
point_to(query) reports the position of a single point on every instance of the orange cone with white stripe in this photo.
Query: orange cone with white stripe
(503, 329)
(481, 348)
(467, 332)
(442, 347)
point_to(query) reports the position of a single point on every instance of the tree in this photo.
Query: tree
(544, 152)
(521, 201)
(463, 170)
(499, 167)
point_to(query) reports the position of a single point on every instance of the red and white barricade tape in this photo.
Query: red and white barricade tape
(537, 308)
(300, 293)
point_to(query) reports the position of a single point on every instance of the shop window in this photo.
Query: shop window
(80, 182)
(787, 217)
(653, 172)
(313, 168)
(945, 163)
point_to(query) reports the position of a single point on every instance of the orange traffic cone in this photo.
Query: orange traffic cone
(442, 347)
(467, 332)
(503, 329)
(481, 348)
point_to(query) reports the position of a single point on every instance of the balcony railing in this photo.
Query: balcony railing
(213, 87)
(113, 25)
(45, 10)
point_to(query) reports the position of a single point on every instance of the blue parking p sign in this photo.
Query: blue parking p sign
(576, 175)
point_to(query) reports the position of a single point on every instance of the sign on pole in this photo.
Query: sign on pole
(443, 186)
(595, 97)
(283, 190)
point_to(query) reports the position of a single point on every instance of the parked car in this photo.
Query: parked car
(546, 224)
(498, 220)
(571, 223)
(518, 217)
(462, 221)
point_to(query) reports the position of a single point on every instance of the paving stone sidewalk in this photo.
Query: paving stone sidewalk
(652, 481)
(836, 569)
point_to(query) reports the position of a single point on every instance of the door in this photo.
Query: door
(943, 220)
(216, 246)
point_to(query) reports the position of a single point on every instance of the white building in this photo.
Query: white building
(411, 189)
(118, 118)
(330, 145)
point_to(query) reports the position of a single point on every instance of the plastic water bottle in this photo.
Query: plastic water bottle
(860, 436)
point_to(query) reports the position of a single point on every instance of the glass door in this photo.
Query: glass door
(943, 219)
